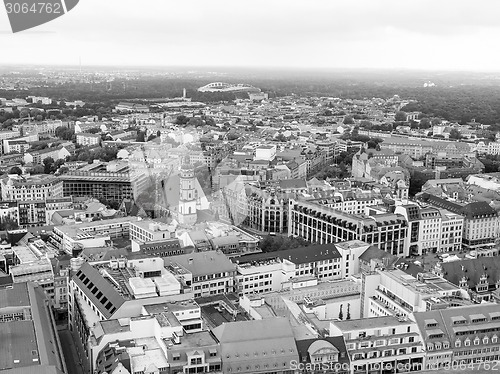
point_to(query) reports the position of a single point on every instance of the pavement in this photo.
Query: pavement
(70, 353)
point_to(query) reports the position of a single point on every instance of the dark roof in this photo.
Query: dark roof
(473, 269)
(14, 297)
(471, 210)
(292, 183)
(337, 341)
(374, 252)
(32, 338)
(301, 255)
(477, 209)
(110, 299)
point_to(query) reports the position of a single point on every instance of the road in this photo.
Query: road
(70, 354)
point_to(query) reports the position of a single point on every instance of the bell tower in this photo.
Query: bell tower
(188, 195)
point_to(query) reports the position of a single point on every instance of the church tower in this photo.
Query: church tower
(188, 195)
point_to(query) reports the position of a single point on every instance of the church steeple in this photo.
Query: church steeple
(188, 195)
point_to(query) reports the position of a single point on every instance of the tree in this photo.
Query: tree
(94, 130)
(48, 164)
(348, 120)
(141, 137)
(455, 134)
(7, 223)
(425, 123)
(400, 116)
(38, 169)
(341, 314)
(15, 170)
(348, 311)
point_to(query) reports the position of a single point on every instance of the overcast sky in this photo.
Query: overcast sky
(427, 34)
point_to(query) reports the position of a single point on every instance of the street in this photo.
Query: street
(70, 353)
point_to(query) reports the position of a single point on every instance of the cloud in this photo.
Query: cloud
(296, 33)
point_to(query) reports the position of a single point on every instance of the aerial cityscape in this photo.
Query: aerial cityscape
(187, 200)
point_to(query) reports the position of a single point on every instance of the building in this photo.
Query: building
(417, 148)
(32, 213)
(32, 266)
(381, 344)
(432, 229)
(188, 196)
(73, 238)
(154, 232)
(261, 206)
(131, 107)
(30, 188)
(87, 139)
(205, 273)
(266, 272)
(119, 289)
(259, 346)
(352, 200)
(37, 157)
(320, 224)
(113, 182)
(30, 341)
(322, 354)
(392, 292)
(480, 227)
(479, 277)
(464, 336)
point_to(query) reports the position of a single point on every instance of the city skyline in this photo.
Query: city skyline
(445, 35)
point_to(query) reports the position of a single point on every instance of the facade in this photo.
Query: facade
(417, 148)
(480, 227)
(392, 292)
(111, 186)
(259, 346)
(479, 277)
(69, 238)
(106, 291)
(188, 196)
(32, 213)
(432, 229)
(382, 344)
(352, 201)
(319, 224)
(267, 272)
(205, 273)
(86, 139)
(29, 188)
(323, 354)
(464, 336)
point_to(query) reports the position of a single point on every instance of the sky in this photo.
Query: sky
(404, 34)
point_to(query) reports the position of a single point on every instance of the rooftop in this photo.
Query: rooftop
(202, 263)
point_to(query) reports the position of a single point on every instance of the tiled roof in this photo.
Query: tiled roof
(299, 255)
(473, 269)
(110, 300)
